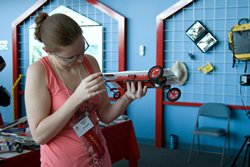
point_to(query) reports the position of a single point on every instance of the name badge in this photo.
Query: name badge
(83, 126)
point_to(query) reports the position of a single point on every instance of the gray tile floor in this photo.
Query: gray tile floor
(164, 157)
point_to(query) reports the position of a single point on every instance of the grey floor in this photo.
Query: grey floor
(164, 157)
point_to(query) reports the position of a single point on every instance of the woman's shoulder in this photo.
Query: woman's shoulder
(35, 77)
(90, 58)
(36, 68)
(37, 65)
(93, 62)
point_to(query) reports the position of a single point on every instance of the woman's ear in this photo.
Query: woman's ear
(44, 48)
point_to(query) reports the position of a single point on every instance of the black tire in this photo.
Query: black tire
(117, 95)
(163, 80)
(173, 94)
(19, 149)
(155, 73)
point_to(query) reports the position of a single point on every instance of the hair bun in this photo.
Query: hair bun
(39, 20)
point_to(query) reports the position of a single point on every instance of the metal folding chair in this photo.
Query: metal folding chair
(217, 111)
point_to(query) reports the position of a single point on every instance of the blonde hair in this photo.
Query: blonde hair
(56, 31)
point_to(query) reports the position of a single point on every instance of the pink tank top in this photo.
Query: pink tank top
(67, 149)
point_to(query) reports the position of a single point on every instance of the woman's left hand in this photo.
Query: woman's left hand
(133, 93)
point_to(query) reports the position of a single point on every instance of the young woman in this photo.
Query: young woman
(64, 95)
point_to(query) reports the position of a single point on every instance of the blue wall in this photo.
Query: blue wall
(9, 12)
(141, 30)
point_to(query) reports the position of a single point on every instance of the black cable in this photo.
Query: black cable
(247, 112)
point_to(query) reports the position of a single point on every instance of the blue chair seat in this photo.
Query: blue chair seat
(210, 131)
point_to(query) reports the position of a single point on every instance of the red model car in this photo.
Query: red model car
(156, 77)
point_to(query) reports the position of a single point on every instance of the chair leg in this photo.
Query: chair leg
(190, 152)
(198, 143)
(228, 140)
(223, 153)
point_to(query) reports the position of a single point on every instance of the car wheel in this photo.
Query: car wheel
(19, 149)
(173, 94)
(117, 95)
(155, 73)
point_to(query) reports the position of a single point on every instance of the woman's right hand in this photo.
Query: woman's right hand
(90, 87)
